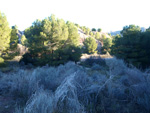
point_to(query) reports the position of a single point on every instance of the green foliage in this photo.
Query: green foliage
(1, 60)
(93, 29)
(77, 25)
(90, 45)
(24, 40)
(133, 46)
(14, 38)
(107, 43)
(48, 41)
(92, 61)
(145, 47)
(4, 33)
(87, 31)
(91, 33)
(73, 36)
(70, 53)
(99, 30)
(97, 35)
(2, 63)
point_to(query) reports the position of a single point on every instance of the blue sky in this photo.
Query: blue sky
(110, 15)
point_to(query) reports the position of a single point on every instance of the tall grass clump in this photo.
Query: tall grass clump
(20, 85)
(66, 97)
(40, 102)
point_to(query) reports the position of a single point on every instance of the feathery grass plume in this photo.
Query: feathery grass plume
(66, 97)
(40, 102)
(116, 66)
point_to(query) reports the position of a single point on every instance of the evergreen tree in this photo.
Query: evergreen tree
(73, 37)
(14, 38)
(48, 41)
(93, 29)
(91, 33)
(4, 33)
(99, 30)
(24, 40)
(107, 42)
(97, 36)
(128, 45)
(77, 25)
(87, 31)
(90, 45)
(145, 48)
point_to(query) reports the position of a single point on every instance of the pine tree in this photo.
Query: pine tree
(127, 45)
(99, 29)
(14, 38)
(97, 35)
(90, 45)
(49, 41)
(24, 40)
(91, 33)
(4, 33)
(73, 37)
(107, 42)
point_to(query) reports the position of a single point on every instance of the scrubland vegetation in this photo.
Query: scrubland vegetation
(51, 76)
(107, 87)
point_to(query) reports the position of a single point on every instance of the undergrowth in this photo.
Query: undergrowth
(109, 87)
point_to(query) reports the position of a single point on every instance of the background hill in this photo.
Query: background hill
(115, 33)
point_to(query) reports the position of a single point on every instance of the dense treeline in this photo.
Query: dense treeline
(133, 46)
(8, 39)
(52, 41)
(4, 33)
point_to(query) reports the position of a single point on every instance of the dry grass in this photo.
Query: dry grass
(71, 88)
(86, 56)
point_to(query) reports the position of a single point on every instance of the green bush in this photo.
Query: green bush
(90, 45)
(92, 61)
(59, 56)
(1, 62)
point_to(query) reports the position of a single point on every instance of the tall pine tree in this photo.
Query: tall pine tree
(4, 33)
(14, 38)
(49, 41)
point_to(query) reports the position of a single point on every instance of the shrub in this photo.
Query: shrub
(90, 45)
(116, 66)
(78, 90)
(66, 97)
(1, 62)
(60, 56)
(93, 60)
(41, 102)
(96, 67)
(21, 85)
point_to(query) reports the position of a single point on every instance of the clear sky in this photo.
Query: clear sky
(110, 15)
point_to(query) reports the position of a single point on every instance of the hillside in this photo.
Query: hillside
(108, 87)
(114, 33)
(20, 33)
(83, 36)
